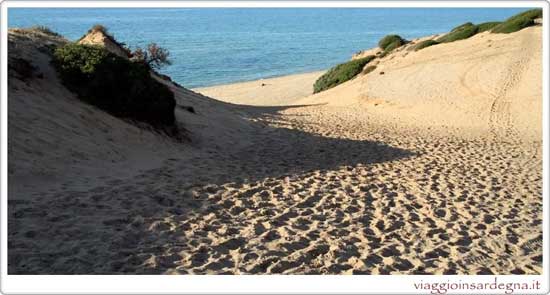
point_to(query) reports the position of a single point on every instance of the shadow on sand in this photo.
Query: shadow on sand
(119, 228)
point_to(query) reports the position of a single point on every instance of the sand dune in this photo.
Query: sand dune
(482, 83)
(434, 167)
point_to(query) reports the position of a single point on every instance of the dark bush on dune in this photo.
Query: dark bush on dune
(114, 84)
(341, 73)
(513, 25)
(487, 26)
(424, 44)
(390, 39)
(461, 32)
(462, 27)
(389, 43)
(518, 21)
(530, 14)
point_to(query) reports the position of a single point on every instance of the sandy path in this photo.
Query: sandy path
(499, 118)
(361, 198)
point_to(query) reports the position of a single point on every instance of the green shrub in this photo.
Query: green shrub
(388, 40)
(513, 25)
(461, 32)
(389, 43)
(462, 27)
(45, 30)
(341, 73)
(368, 69)
(518, 21)
(487, 26)
(424, 44)
(114, 84)
(530, 14)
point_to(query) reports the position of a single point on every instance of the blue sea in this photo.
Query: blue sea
(211, 46)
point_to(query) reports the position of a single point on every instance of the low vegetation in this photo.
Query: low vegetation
(45, 30)
(117, 85)
(530, 14)
(389, 43)
(388, 40)
(462, 27)
(518, 21)
(513, 25)
(341, 73)
(486, 26)
(467, 30)
(461, 32)
(424, 44)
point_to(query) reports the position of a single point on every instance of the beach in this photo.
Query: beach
(276, 91)
(438, 165)
(429, 164)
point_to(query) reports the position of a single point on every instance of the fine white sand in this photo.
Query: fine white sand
(434, 167)
(276, 91)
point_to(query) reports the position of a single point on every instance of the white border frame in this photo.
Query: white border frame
(254, 284)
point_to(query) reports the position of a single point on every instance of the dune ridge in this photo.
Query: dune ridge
(433, 167)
